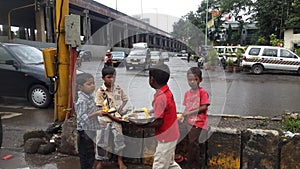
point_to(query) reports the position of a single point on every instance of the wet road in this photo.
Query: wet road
(269, 95)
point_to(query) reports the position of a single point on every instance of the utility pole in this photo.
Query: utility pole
(206, 18)
(63, 62)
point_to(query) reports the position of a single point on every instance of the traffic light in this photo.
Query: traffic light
(37, 5)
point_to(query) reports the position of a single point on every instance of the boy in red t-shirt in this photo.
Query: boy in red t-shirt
(165, 124)
(196, 102)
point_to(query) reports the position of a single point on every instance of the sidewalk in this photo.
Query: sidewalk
(20, 160)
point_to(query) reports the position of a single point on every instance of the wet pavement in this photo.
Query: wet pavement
(269, 95)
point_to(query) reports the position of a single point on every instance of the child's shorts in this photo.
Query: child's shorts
(102, 141)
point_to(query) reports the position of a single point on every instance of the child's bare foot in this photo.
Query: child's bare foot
(98, 165)
(122, 165)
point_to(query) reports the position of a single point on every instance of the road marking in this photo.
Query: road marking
(7, 115)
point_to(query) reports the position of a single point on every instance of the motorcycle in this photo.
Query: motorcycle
(200, 62)
(108, 59)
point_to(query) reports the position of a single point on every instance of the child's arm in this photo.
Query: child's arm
(114, 118)
(96, 113)
(121, 107)
(198, 110)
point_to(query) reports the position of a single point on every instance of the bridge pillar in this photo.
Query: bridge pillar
(40, 25)
(32, 33)
(125, 37)
(109, 34)
(147, 37)
(49, 23)
(86, 27)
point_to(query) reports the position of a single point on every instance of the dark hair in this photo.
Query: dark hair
(80, 80)
(161, 73)
(195, 70)
(108, 71)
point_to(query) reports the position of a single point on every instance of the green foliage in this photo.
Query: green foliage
(272, 16)
(291, 124)
(293, 19)
(213, 58)
(274, 41)
(239, 57)
(229, 62)
(261, 41)
(297, 51)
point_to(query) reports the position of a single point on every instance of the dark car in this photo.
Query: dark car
(138, 57)
(22, 73)
(118, 58)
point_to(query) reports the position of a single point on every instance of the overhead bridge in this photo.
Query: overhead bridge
(99, 24)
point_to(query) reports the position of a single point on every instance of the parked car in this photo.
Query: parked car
(22, 73)
(118, 58)
(260, 58)
(85, 55)
(229, 52)
(1, 132)
(139, 56)
(165, 56)
(156, 57)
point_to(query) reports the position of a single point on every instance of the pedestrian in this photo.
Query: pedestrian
(87, 121)
(188, 57)
(196, 102)
(110, 96)
(165, 123)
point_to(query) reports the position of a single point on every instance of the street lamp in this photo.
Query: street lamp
(116, 5)
(8, 17)
(206, 18)
(141, 9)
(156, 16)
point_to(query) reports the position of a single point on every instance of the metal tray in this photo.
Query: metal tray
(139, 118)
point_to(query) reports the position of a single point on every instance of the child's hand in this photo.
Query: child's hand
(101, 112)
(181, 119)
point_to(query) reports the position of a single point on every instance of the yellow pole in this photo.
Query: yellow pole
(61, 96)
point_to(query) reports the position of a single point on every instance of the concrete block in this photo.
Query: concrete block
(69, 138)
(260, 149)
(224, 148)
(32, 145)
(290, 153)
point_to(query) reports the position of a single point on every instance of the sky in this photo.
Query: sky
(175, 8)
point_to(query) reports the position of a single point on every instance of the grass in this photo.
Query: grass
(291, 124)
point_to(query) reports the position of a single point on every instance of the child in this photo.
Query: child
(166, 125)
(87, 122)
(196, 102)
(111, 96)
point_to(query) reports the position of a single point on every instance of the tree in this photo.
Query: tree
(293, 19)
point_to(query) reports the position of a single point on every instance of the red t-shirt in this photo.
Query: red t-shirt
(164, 107)
(192, 100)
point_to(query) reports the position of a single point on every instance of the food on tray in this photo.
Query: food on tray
(105, 108)
(140, 118)
(146, 112)
(179, 116)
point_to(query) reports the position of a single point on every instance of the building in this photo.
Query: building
(292, 38)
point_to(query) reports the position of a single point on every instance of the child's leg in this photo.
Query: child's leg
(85, 150)
(120, 161)
(196, 150)
(164, 156)
(119, 144)
(98, 165)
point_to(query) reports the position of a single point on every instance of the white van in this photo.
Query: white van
(260, 58)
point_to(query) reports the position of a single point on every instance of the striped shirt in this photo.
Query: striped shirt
(84, 106)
